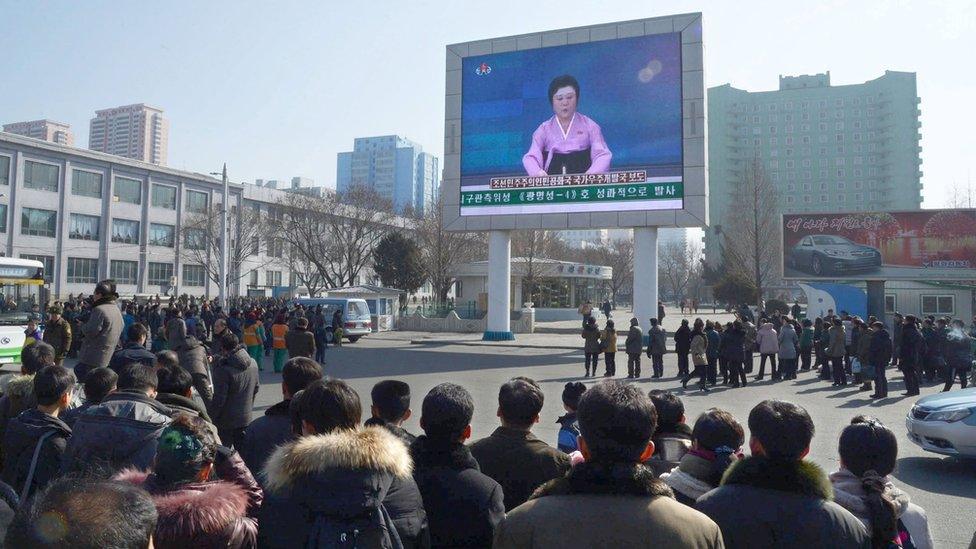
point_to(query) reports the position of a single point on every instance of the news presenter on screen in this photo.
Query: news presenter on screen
(569, 142)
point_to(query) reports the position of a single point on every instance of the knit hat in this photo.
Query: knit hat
(55, 310)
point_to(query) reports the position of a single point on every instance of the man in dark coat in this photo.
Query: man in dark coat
(274, 428)
(235, 378)
(300, 341)
(102, 330)
(682, 346)
(463, 505)
(193, 357)
(134, 349)
(512, 455)
(880, 355)
(775, 498)
(57, 333)
(911, 352)
(35, 440)
(391, 407)
(634, 346)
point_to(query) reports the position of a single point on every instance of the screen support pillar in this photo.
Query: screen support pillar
(645, 275)
(876, 299)
(499, 286)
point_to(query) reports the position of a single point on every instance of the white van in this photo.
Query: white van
(356, 318)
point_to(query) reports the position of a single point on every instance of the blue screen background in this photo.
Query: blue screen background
(641, 121)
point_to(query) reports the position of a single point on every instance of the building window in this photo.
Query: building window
(128, 190)
(162, 235)
(253, 279)
(35, 222)
(85, 183)
(82, 270)
(124, 272)
(160, 274)
(858, 197)
(4, 170)
(807, 199)
(125, 231)
(272, 278)
(194, 275)
(3, 218)
(891, 303)
(938, 304)
(824, 198)
(195, 239)
(47, 260)
(196, 202)
(43, 177)
(83, 227)
(164, 196)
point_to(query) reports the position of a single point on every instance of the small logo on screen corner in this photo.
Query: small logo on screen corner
(5, 341)
(483, 69)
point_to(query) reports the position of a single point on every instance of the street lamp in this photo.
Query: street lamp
(222, 287)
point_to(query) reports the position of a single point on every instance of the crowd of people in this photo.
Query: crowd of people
(843, 348)
(137, 449)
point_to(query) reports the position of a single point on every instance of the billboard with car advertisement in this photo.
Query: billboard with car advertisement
(912, 245)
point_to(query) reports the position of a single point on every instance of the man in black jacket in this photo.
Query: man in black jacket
(134, 349)
(235, 384)
(463, 504)
(98, 384)
(682, 346)
(274, 428)
(879, 356)
(391, 407)
(775, 498)
(35, 440)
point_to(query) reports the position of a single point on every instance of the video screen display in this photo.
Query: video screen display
(586, 127)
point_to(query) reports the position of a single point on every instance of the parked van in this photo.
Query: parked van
(355, 315)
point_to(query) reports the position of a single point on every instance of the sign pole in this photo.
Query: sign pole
(499, 287)
(645, 275)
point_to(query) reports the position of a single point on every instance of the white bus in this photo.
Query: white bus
(20, 284)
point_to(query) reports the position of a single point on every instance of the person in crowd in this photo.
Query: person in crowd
(124, 518)
(795, 310)
(123, 430)
(656, 347)
(340, 481)
(57, 333)
(300, 342)
(750, 345)
(911, 352)
(806, 344)
(34, 441)
(512, 455)
(863, 485)
(672, 437)
(219, 327)
(321, 332)
(879, 355)
(958, 355)
(862, 350)
(788, 351)
(235, 324)
(273, 429)
(102, 330)
(836, 351)
(195, 511)
(134, 349)
(175, 387)
(734, 342)
(608, 342)
(716, 443)
(897, 323)
(591, 346)
(634, 345)
(99, 383)
(236, 383)
(768, 342)
(820, 342)
(699, 347)
(193, 357)
(279, 346)
(682, 346)
(209, 318)
(586, 311)
(635, 508)
(18, 390)
(337, 327)
(606, 309)
(463, 505)
(568, 424)
(775, 498)
(660, 312)
(390, 408)
(714, 340)
(254, 338)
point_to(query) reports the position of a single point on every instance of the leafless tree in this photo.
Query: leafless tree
(962, 196)
(752, 232)
(202, 243)
(674, 268)
(618, 254)
(306, 273)
(531, 246)
(443, 250)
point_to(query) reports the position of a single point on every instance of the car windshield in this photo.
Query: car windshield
(830, 240)
(357, 310)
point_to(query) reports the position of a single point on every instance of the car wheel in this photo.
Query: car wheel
(817, 266)
(353, 339)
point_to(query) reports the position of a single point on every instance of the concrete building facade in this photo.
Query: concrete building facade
(45, 130)
(135, 131)
(826, 148)
(395, 167)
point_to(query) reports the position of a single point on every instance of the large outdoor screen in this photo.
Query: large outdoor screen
(915, 245)
(588, 127)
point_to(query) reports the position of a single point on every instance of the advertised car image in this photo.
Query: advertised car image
(945, 423)
(831, 254)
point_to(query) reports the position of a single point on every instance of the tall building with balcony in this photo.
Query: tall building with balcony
(395, 167)
(134, 131)
(45, 130)
(825, 148)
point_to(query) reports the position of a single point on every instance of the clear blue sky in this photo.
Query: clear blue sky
(276, 89)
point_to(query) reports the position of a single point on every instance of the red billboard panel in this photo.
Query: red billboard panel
(916, 245)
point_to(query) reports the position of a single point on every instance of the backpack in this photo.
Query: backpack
(372, 528)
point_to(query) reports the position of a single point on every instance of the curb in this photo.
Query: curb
(480, 343)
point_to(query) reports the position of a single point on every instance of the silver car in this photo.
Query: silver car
(945, 423)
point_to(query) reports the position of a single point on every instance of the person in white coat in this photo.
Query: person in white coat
(789, 346)
(768, 342)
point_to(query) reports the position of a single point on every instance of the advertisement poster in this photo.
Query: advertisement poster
(913, 245)
(584, 127)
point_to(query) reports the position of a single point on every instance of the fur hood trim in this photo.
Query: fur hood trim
(799, 477)
(206, 508)
(605, 479)
(371, 448)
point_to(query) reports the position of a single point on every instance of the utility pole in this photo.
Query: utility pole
(223, 240)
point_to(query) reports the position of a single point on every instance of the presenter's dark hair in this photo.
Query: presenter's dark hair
(561, 82)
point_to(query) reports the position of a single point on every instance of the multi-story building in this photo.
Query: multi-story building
(134, 131)
(88, 216)
(395, 167)
(45, 130)
(825, 148)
